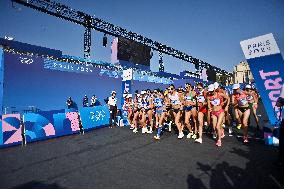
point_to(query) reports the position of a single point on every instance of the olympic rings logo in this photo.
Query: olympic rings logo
(24, 60)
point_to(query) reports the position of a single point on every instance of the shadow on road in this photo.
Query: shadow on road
(38, 185)
(259, 171)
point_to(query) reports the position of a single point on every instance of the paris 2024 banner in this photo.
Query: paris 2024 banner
(267, 67)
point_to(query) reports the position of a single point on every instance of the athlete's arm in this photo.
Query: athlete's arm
(209, 104)
(255, 97)
(226, 101)
(234, 102)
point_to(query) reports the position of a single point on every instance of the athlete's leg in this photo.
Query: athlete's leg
(200, 124)
(130, 118)
(219, 128)
(194, 120)
(245, 124)
(219, 125)
(214, 121)
(150, 117)
(238, 115)
(178, 124)
(187, 123)
(135, 121)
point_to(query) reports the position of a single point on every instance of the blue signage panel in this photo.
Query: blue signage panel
(267, 67)
(92, 117)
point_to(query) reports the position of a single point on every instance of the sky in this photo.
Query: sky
(206, 29)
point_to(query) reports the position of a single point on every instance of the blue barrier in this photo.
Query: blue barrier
(93, 117)
(50, 124)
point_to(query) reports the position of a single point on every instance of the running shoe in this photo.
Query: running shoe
(245, 139)
(189, 135)
(230, 131)
(170, 126)
(223, 125)
(157, 137)
(181, 135)
(239, 126)
(150, 131)
(194, 136)
(135, 130)
(199, 140)
(219, 143)
(144, 130)
(214, 135)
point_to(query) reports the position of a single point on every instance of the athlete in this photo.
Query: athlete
(176, 111)
(150, 109)
(242, 109)
(253, 101)
(142, 114)
(129, 109)
(202, 109)
(215, 101)
(159, 109)
(221, 89)
(136, 110)
(190, 110)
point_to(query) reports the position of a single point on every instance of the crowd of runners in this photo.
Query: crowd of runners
(191, 109)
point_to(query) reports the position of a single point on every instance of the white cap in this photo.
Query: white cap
(216, 85)
(129, 96)
(236, 86)
(113, 92)
(211, 88)
(248, 86)
(124, 95)
(143, 92)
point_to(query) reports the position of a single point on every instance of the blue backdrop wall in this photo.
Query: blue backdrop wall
(46, 84)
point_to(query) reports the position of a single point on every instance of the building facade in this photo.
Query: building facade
(242, 73)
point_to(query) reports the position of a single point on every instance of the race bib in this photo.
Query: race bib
(243, 102)
(249, 98)
(216, 102)
(201, 99)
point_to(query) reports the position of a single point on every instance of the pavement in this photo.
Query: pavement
(118, 158)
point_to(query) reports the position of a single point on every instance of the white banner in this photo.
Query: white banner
(260, 46)
(127, 74)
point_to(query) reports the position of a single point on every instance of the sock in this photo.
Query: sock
(159, 131)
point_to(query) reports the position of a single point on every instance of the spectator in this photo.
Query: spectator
(95, 101)
(85, 101)
(69, 103)
(112, 100)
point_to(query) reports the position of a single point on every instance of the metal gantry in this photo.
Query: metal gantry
(90, 22)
